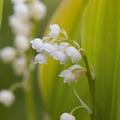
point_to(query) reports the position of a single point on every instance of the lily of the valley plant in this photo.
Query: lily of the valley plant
(56, 44)
(60, 47)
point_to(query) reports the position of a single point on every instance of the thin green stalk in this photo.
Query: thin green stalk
(29, 101)
(29, 96)
(91, 82)
(75, 109)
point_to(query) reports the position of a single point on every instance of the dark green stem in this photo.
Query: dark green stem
(91, 82)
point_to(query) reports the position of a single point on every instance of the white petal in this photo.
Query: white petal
(67, 116)
(63, 46)
(41, 59)
(64, 73)
(68, 76)
(37, 44)
(55, 31)
(74, 54)
(74, 67)
(71, 74)
(22, 43)
(8, 54)
(7, 98)
(59, 55)
(48, 48)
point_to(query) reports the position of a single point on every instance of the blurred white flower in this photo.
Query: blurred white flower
(72, 73)
(7, 98)
(60, 56)
(7, 54)
(74, 54)
(67, 116)
(19, 65)
(21, 43)
(18, 1)
(55, 31)
(41, 59)
(19, 26)
(37, 44)
(37, 10)
(21, 10)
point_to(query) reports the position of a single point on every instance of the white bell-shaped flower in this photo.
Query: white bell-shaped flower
(68, 76)
(60, 56)
(72, 73)
(48, 48)
(37, 10)
(41, 59)
(55, 31)
(19, 65)
(67, 116)
(74, 54)
(7, 98)
(22, 43)
(7, 54)
(37, 44)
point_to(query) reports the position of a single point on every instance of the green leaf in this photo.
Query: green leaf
(1, 7)
(59, 97)
(101, 39)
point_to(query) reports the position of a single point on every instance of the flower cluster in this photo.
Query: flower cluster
(22, 22)
(26, 14)
(56, 44)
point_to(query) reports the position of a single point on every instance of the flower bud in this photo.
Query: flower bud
(60, 56)
(48, 48)
(7, 54)
(38, 10)
(7, 98)
(72, 73)
(67, 116)
(22, 43)
(55, 31)
(21, 11)
(37, 44)
(74, 54)
(41, 59)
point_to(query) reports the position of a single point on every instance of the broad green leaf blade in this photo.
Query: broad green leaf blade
(59, 97)
(101, 39)
(1, 7)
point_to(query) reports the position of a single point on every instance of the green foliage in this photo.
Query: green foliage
(1, 7)
(101, 39)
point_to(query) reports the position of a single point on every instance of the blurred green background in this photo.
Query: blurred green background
(7, 77)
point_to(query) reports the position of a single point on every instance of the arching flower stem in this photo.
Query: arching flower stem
(91, 81)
